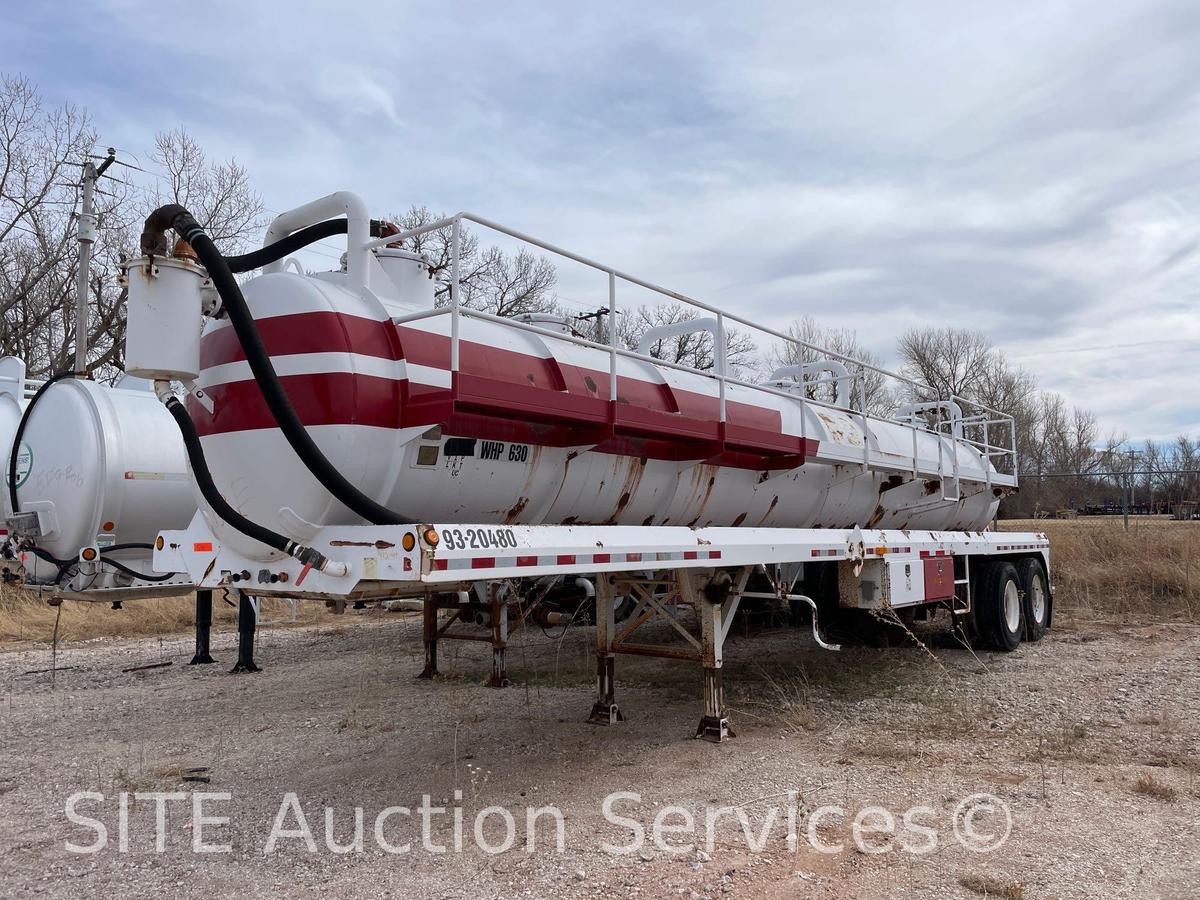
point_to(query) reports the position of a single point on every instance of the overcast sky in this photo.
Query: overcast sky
(1027, 169)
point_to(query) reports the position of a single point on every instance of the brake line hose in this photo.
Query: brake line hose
(154, 241)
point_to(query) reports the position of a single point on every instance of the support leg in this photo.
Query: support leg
(605, 711)
(203, 628)
(713, 724)
(499, 611)
(429, 621)
(247, 620)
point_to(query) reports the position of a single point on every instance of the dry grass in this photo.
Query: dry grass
(993, 887)
(24, 617)
(1151, 572)
(1152, 787)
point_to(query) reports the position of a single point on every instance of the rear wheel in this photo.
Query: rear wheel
(1036, 602)
(1001, 617)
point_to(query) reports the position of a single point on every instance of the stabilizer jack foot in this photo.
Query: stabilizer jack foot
(606, 714)
(714, 729)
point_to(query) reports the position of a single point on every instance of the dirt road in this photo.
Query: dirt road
(1088, 739)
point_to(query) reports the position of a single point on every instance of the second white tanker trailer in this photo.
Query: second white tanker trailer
(350, 439)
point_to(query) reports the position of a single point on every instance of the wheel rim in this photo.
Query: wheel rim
(1012, 607)
(1037, 601)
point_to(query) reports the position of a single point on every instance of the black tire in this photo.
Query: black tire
(1035, 600)
(1000, 616)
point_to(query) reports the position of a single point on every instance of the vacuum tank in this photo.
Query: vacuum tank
(12, 404)
(524, 430)
(99, 466)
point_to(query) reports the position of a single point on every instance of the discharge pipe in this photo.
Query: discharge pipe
(843, 381)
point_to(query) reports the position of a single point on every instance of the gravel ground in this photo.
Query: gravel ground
(1061, 732)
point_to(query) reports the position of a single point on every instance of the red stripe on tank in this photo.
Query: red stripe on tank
(499, 394)
(309, 332)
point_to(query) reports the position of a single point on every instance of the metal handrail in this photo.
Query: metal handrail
(455, 309)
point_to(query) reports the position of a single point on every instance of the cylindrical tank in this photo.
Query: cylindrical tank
(102, 465)
(12, 404)
(525, 433)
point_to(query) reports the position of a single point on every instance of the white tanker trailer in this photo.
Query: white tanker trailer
(15, 391)
(92, 477)
(530, 427)
(349, 439)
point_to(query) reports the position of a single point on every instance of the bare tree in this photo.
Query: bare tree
(952, 361)
(42, 154)
(807, 336)
(42, 151)
(489, 280)
(218, 194)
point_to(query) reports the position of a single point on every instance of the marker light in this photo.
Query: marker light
(408, 541)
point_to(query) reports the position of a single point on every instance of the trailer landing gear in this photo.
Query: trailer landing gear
(605, 710)
(714, 599)
(247, 620)
(496, 618)
(203, 628)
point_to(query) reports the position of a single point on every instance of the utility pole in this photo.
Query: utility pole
(87, 237)
(1127, 494)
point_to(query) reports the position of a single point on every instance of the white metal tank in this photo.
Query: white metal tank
(12, 404)
(524, 432)
(102, 465)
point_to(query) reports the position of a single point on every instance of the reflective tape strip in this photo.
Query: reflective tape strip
(574, 560)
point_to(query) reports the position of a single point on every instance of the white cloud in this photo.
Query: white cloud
(1026, 168)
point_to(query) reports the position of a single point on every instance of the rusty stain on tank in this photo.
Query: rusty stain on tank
(739, 520)
(516, 510)
(634, 469)
(698, 474)
(875, 516)
(770, 508)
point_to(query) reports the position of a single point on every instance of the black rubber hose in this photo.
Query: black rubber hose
(297, 240)
(42, 553)
(136, 574)
(264, 371)
(12, 456)
(290, 244)
(208, 488)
